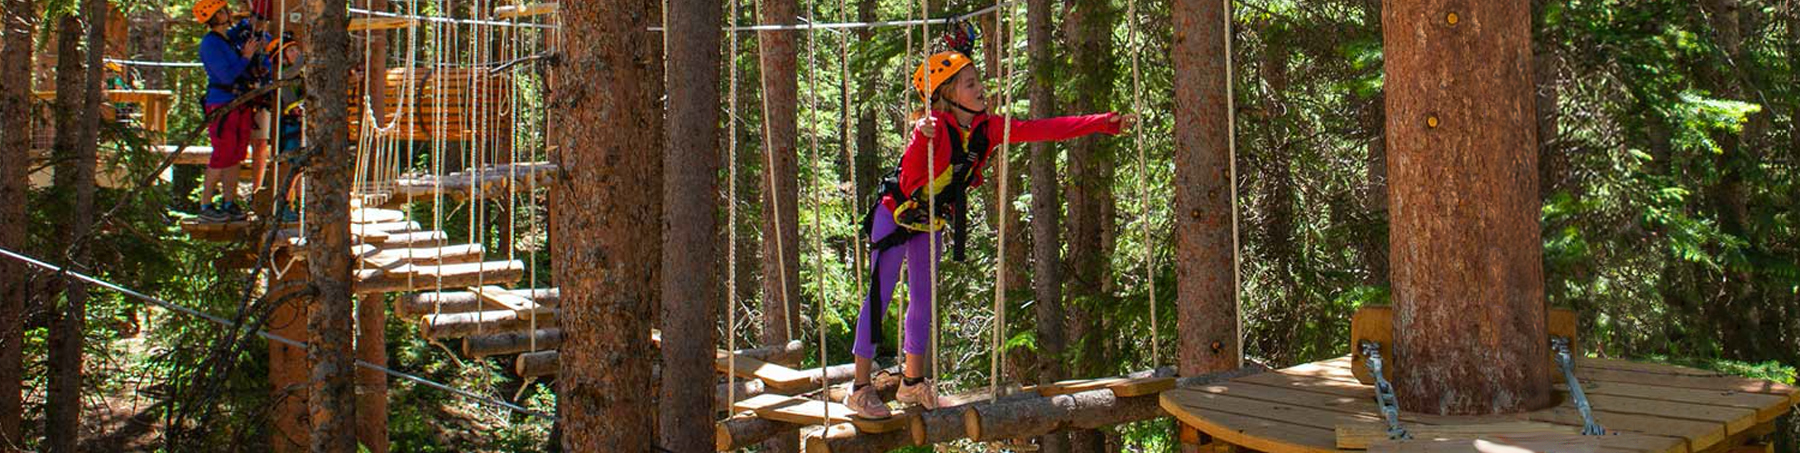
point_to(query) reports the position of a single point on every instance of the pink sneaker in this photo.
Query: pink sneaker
(867, 404)
(925, 394)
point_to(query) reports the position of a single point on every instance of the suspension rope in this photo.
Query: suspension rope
(998, 353)
(812, 100)
(1144, 217)
(1237, 268)
(787, 307)
(731, 201)
(930, 192)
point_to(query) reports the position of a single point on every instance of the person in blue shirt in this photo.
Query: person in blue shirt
(229, 53)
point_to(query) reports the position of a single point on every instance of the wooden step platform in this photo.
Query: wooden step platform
(460, 301)
(1121, 386)
(807, 411)
(1321, 406)
(380, 23)
(216, 231)
(501, 298)
(410, 277)
(494, 181)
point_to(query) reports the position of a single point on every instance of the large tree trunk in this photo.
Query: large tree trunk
(17, 25)
(868, 159)
(1372, 246)
(780, 187)
(1046, 211)
(147, 43)
(1089, 25)
(77, 142)
(1206, 310)
(689, 241)
(1467, 269)
(371, 345)
(605, 222)
(331, 396)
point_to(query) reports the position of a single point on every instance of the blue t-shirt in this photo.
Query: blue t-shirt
(224, 64)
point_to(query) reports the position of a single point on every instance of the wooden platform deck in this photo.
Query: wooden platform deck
(1321, 407)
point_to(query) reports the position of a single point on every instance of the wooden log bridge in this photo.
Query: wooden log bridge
(1025, 412)
(1644, 408)
(493, 181)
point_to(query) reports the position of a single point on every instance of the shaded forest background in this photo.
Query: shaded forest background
(1668, 152)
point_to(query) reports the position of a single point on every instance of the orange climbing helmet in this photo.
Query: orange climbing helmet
(937, 70)
(205, 9)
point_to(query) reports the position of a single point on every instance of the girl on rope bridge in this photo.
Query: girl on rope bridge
(955, 139)
(229, 53)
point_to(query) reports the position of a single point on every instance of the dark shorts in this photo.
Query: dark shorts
(230, 135)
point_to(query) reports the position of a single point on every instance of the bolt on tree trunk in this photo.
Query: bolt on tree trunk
(1462, 165)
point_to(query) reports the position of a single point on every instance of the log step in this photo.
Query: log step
(777, 376)
(411, 306)
(502, 299)
(534, 9)
(512, 342)
(409, 277)
(377, 215)
(804, 411)
(460, 325)
(390, 258)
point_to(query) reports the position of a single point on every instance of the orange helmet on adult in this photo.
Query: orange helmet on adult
(205, 9)
(937, 70)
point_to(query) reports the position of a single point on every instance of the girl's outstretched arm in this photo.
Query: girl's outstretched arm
(1064, 128)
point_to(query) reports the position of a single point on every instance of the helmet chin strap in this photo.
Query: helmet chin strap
(965, 109)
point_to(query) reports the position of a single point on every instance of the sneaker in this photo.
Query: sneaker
(866, 404)
(924, 394)
(235, 212)
(210, 213)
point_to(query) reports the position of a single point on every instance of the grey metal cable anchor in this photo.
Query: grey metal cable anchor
(1566, 361)
(1384, 392)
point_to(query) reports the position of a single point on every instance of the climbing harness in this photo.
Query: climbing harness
(1565, 360)
(1384, 392)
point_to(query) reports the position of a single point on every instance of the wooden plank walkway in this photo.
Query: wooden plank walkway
(1321, 406)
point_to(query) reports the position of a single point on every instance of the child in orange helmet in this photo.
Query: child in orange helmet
(951, 145)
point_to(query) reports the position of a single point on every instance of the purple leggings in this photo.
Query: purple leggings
(886, 264)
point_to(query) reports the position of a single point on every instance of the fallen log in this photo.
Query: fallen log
(459, 325)
(513, 342)
(411, 306)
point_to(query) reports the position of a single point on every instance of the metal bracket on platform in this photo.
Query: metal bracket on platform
(1384, 392)
(1566, 361)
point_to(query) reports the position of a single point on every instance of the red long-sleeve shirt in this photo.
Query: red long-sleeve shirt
(914, 160)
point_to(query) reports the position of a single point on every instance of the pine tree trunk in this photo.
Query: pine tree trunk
(780, 186)
(868, 159)
(1046, 211)
(690, 254)
(75, 181)
(371, 346)
(331, 396)
(1206, 303)
(15, 145)
(1466, 261)
(605, 222)
(148, 42)
(1089, 25)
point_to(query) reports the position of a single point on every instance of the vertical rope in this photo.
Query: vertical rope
(1237, 268)
(930, 192)
(849, 145)
(998, 354)
(731, 201)
(787, 306)
(812, 101)
(1137, 142)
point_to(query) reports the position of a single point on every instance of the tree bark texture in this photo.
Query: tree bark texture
(148, 41)
(1206, 302)
(780, 186)
(605, 222)
(1462, 161)
(331, 396)
(1046, 209)
(16, 30)
(74, 185)
(780, 180)
(690, 235)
